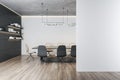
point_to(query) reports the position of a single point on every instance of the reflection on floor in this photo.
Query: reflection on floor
(20, 68)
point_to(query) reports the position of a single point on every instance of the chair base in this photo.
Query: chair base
(30, 56)
(42, 58)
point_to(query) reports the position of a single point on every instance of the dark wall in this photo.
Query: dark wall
(8, 49)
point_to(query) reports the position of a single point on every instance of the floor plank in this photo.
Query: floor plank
(21, 68)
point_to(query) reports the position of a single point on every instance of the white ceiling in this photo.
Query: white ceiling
(33, 7)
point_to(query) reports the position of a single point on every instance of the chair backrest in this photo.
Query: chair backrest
(27, 48)
(73, 51)
(61, 51)
(42, 51)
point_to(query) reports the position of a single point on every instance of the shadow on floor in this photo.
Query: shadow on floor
(56, 59)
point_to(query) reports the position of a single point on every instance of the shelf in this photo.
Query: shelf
(9, 33)
(16, 28)
(14, 39)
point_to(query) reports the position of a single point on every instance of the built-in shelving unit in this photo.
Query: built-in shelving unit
(15, 33)
(9, 47)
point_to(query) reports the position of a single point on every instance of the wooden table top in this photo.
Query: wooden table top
(52, 47)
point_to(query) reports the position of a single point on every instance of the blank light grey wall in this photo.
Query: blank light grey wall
(98, 35)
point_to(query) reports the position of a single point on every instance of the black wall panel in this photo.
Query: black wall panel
(8, 49)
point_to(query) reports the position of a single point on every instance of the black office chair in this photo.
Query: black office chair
(42, 52)
(73, 51)
(61, 51)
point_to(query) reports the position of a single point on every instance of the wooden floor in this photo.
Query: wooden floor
(21, 69)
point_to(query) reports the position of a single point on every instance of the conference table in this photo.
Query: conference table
(51, 48)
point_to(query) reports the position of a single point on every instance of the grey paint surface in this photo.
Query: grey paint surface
(33, 7)
(8, 49)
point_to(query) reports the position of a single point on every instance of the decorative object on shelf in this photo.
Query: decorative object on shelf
(11, 37)
(2, 29)
(11, 30)
(15, 25)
